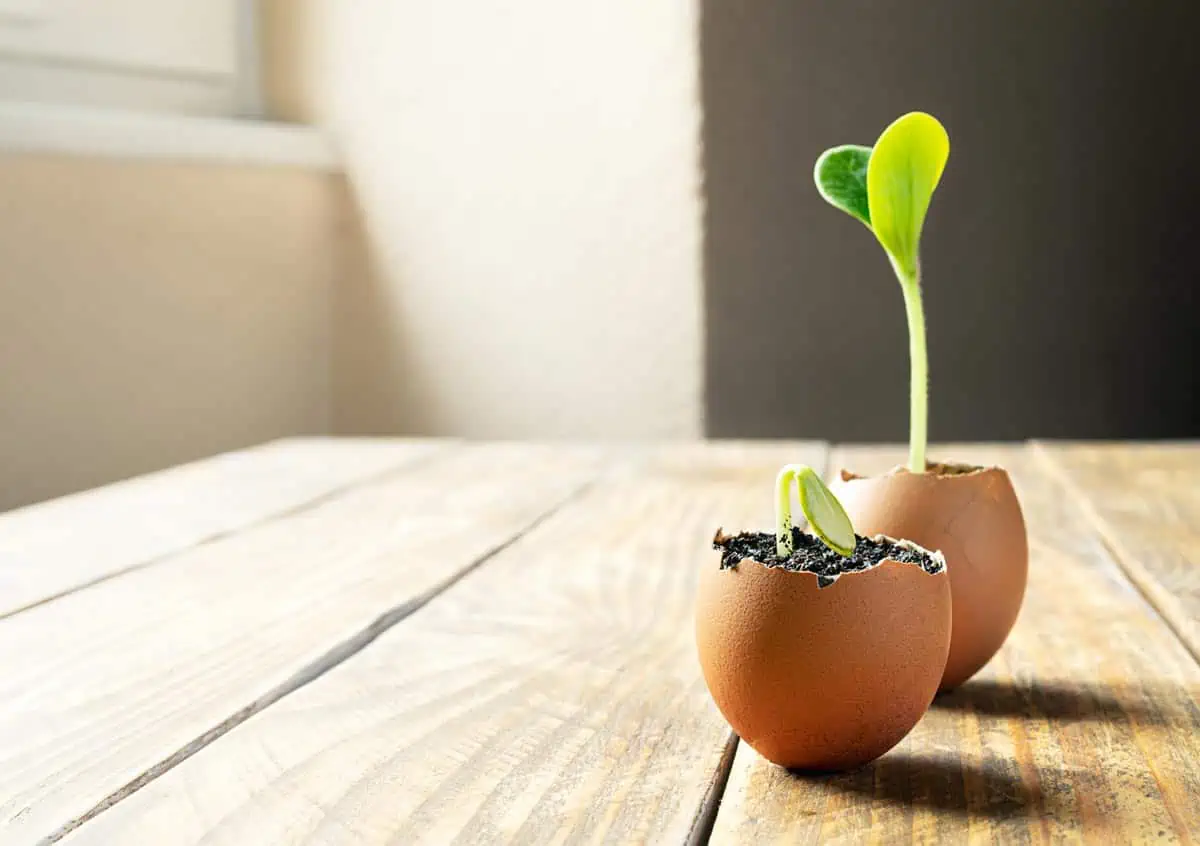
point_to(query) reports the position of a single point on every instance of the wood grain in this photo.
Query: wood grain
(106, 687)
(1144, 501)
(57, 546)
(1086, 727)
(552, 696)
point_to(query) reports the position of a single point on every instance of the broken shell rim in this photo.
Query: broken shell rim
(941, 470)
(935, 555)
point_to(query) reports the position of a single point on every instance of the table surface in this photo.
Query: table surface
(381, 642)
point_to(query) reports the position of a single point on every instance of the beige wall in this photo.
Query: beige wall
(153, 313)
(526, 177)
(515, 251)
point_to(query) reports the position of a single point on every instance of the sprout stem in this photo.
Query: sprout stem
(783, 509)
(798, 473)
(910, 283)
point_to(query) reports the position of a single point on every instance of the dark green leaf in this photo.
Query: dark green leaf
(841, 177)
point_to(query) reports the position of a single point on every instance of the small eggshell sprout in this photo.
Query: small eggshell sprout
(818, 661)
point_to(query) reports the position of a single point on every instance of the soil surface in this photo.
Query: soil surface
(813, 556)
(941, 468)
(933, 468)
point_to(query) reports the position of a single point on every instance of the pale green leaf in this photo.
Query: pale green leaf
(905, 167)
(826, 517)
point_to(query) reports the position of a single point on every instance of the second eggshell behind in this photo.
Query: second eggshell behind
(973, 517)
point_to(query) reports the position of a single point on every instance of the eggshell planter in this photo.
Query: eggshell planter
(971, 514)
(823, 678)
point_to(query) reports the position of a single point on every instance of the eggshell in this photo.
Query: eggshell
(822, 678)
(975, 520)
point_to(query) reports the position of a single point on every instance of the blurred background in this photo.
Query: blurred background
(1060, 279)
(227, 221)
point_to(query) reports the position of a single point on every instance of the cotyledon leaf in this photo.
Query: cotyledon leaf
(826, 517)
(905, 167)
(841, 177)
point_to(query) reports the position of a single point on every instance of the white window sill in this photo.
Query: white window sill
(77, 130)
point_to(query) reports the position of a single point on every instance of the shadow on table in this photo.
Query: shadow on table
(994, 787)
(1059, 701)
(949, 786)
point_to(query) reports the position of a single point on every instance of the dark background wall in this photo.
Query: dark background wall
(1061, 255)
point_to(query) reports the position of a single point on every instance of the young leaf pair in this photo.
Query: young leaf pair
(825, 515)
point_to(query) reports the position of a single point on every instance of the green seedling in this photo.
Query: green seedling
(888, 188)
(821, 508)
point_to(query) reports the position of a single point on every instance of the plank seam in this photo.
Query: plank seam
(311, 671)
(706, 814)
(1142, 581)
(369, 480)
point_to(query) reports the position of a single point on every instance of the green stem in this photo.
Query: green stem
(918, 423)
(783, 510)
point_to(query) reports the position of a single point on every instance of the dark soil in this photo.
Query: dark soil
(945, 468)
(813, 556)
(933, 468)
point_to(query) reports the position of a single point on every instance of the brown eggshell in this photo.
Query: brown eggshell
(975, 520)
(822, 678)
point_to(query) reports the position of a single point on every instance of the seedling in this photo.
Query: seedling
(825, 514)
(888, 189)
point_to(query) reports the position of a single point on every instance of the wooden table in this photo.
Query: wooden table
(378, 642)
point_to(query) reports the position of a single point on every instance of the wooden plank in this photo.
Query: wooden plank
(58, 546)
(552, 696)
(1086, 727)
(1144, 501)
(106, 687)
